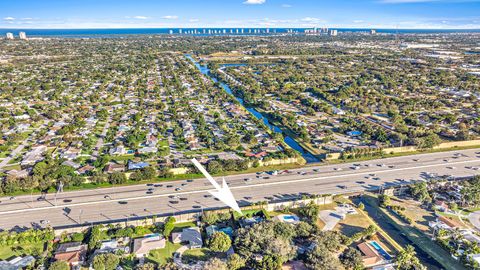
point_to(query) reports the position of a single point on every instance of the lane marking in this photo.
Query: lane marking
(236, 187)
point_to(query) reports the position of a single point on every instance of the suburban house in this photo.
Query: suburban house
(74, 253)
(444, 223)
(370, 256)
(249, 222)
(17, 174)
(142, 246)
(35, 155)
(441, 205)
(191, 235)
(113, 167)
(17, 263)
(119, 150)
(137, 165)
(114, 245)
(85, 169)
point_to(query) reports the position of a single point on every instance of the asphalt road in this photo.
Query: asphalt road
(119, 203)
(474, 218)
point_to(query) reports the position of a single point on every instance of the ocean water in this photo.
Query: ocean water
(72, 33)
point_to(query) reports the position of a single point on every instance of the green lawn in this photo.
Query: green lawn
(26, 249)
(198, 254)
(12, 167)
(180, 226)
(353, 224)
(123, 157)
(162, 255)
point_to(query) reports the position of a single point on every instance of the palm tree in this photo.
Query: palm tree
(407, 260)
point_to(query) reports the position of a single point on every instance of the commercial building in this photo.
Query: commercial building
(22, 35)
(333, 32)
(10, 36)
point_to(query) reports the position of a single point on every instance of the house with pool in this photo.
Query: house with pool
(288, 218)
(373, 254)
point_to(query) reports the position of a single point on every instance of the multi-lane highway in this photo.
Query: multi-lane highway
(119, 203)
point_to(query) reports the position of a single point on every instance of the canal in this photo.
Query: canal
(287, 139)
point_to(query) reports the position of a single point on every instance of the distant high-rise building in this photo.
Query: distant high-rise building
(22, 35)
(373, 32)
(179, 31)
(333, 32)
(171, 32)
(10, 36)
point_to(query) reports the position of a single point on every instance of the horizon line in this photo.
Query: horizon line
(263, 27)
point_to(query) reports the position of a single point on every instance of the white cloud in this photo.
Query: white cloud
(358, 21)
(194, 20)
(310, 19)
(255, 2)
(8, 19)
(286, 6)
(170, 17)
(140, 17)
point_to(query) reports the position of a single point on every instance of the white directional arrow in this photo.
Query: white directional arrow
(223, 192)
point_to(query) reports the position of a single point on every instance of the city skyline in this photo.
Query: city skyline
(402, 14)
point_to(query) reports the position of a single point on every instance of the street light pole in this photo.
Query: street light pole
(113, 190)
(80, 216)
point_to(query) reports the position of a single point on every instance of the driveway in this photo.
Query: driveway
(177, 259)
(332, 217)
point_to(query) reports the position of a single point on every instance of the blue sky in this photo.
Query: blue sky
(441, 14)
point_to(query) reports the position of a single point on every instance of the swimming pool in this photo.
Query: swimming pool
(290, 218)
(380, 250)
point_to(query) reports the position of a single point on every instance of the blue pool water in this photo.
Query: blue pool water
(380, 250)
(289, 218)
